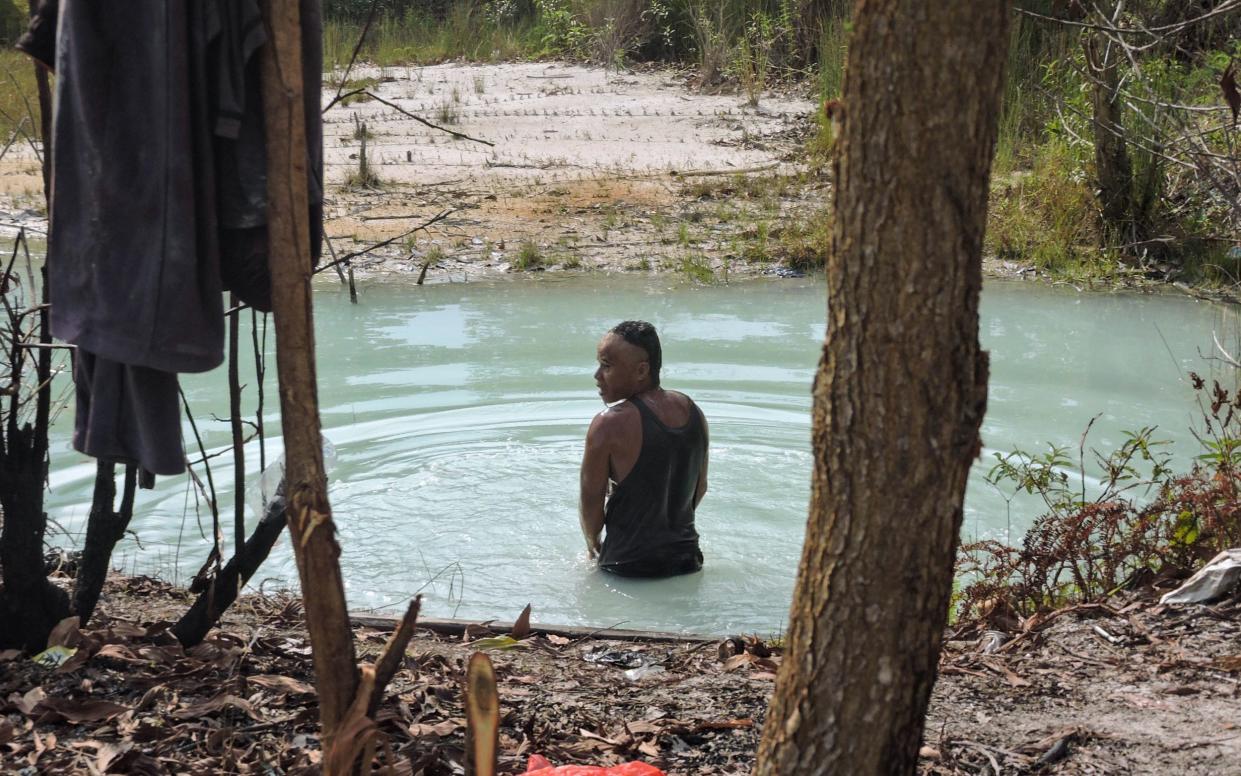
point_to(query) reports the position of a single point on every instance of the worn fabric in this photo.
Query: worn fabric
(39, 40)
(124, 414)
(649, 517)
(133, 273)
(233, 34)
(159, 199)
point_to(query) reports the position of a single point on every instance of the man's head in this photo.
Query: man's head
(629, 361)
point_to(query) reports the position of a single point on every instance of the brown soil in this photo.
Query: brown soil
(1137, 689)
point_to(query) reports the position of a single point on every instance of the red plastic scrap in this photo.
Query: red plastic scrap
(541, 764)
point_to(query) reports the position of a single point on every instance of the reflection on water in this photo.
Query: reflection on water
(458, 413)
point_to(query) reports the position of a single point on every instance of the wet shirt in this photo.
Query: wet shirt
(649, 517)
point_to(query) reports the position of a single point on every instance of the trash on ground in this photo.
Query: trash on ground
(617, 657)
(1212, 580)
(641, 672)
(540, 764)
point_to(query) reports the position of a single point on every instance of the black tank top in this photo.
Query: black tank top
(649, 516)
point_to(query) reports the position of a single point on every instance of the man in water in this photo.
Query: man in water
(645, 466)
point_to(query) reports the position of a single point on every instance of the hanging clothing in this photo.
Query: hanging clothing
(159, 200)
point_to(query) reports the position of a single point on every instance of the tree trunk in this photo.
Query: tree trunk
(222, 589)
(309, 515)
(900, 392)
(104, 528)
(1113, 170)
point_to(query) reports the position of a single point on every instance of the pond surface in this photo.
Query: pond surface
(458, 411)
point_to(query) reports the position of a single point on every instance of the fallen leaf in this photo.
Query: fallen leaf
(724, 724)
(439, 730)
(6, 731)
(521, 628)
(119, 652)
(641, 727)
(218, 703)
(559, 641)
(497, 642)
(285, 684)
(10, 654)
(584, 733)
(87, 710)
(108, 753)
(26, 703)
(67, 633)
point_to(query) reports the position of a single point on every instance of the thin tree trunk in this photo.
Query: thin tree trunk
(309, 515)
(104, 528)
(900, 392)
(234, 417)
(222, 590)
(1113, 169)
(44, 90)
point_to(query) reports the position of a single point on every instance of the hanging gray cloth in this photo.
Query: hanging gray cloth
(159, 190)
(124, 413)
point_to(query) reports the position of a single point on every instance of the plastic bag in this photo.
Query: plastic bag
(265, 490)
(540, 764)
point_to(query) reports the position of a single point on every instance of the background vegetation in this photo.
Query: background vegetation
(1171, 208)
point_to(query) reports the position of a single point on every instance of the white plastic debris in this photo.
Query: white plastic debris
(1212, 580)
(262, 492)
(641, 672)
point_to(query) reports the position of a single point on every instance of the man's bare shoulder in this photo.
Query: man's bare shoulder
(614, 417)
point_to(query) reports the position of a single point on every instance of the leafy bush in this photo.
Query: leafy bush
(1085, 548)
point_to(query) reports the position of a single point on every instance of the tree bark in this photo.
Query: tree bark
(309, 515)
(104, 528)
(900, 391)
(222, 590)
(1113, 169)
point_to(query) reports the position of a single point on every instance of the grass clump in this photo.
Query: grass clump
(448, 113)
(697, 268)
(1045, 215)
(529, 257)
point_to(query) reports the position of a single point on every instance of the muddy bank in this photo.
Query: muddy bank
(1128, 688)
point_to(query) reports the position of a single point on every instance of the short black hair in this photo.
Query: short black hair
(643, 335)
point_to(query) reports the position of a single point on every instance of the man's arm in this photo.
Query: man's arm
(594, 482)
(701, 489)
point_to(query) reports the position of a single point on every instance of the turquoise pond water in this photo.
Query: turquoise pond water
(458, 410)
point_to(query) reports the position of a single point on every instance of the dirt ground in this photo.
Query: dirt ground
(590, 170)
(1125, 688)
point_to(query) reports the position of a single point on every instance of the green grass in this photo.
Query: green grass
(528, 256)
(448, 113)
(419, 39)
(1045, 215)
(18, 95)
(697, 267)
